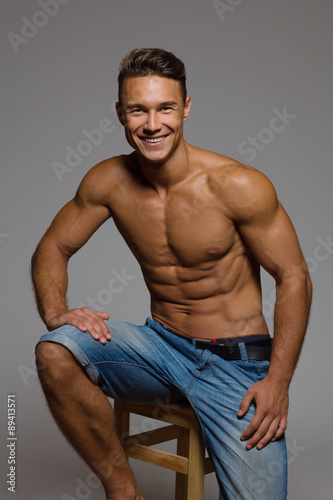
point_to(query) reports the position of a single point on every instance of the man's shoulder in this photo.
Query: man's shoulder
(113, 166)
(241, 188)
(101, 181)
(227, 171)
(110, 171)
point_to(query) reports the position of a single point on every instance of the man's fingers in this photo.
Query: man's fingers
(102, 314)
(87, 320)
(281, 429)
(245, 404)
(270, 419)
(253, 426)
(264, 428)
(264, 434)
(97, 328)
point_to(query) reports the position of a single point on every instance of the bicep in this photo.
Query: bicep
(75, 224)
(273, 241)
(266, 227)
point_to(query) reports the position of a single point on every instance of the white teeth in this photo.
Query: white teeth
(159, 139)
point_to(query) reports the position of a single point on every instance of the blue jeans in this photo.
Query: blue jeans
(149, 363)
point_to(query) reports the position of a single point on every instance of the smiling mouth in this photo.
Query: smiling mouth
(153, 140)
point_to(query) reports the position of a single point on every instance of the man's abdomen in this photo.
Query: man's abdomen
(212, 317)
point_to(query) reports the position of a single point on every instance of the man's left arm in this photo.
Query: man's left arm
(271, 237)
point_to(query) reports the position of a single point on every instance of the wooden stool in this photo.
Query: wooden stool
(189, 463)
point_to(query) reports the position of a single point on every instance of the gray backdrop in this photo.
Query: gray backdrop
(247, 62)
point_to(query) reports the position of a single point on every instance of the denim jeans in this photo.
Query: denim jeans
(149, 363)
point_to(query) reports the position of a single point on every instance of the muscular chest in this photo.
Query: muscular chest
(187, 228)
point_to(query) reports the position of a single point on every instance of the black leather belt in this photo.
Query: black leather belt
(257, 350)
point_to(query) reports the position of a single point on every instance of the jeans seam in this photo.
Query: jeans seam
(197, 373)
(208, 361)
(263, 369)
(147, 368)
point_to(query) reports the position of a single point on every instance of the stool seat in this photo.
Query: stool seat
(189, 463)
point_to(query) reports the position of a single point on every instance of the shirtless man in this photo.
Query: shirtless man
(200, 225)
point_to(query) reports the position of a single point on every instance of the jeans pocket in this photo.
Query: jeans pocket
(263, 366)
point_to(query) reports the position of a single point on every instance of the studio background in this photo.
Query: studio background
(247, 62)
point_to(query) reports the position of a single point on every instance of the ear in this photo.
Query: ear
(120, 112)
(187, 108)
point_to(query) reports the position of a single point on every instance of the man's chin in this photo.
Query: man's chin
(153, 158)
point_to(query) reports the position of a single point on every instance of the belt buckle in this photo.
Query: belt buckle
(205, 341)
(194, 341)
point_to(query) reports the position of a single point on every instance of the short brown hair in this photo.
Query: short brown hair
(159, 62)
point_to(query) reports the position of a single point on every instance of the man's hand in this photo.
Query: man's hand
(84, 319)
(270, 419)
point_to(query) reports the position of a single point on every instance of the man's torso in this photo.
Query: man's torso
(201, 276)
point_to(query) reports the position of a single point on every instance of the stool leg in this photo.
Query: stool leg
(122, 421)
(196, 473)
(181, 479)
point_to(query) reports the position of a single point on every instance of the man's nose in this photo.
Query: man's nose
(153, 123)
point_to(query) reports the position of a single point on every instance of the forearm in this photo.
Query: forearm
(292, 308)
(50, 279)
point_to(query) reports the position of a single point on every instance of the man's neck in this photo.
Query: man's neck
(163, 176)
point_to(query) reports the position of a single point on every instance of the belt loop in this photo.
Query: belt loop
(243, 351)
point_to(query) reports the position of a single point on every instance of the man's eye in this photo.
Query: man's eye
(166, 108)
(136, 111)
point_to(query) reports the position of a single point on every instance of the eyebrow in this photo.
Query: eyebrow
(162, 104)
(169, 103)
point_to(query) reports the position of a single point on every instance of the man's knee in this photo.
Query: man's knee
(54, 362)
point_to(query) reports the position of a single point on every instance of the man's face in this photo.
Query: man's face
(153, 114)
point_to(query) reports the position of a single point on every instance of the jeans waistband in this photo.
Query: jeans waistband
(246, 347)
(254, 339)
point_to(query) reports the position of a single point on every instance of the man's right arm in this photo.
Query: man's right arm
(68, 232)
